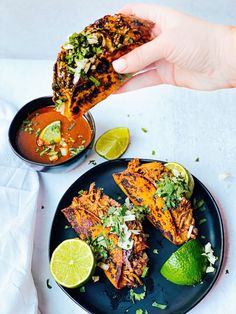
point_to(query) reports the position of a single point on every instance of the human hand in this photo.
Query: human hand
(185, 51)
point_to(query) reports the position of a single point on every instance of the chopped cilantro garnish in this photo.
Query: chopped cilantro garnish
(226, 271)
(130, 40)
(139, 311)
(27, 126)
(171, 189)
(199, 204)
(116, 220)
(197, 159)
(153, 152)
(48, 284)
(82, 289)
(67, 227)
(80, 192)
(155, 251)
(27, 122)
(97, 50)
(37, 132)
(137, 296)
(144, 130)
(76, 151)
(159, 306)
(203, 237)
(55, 87)
(202, 221)
(145, 272)
(52, 153)
(100, 246)
(93, 162)
(45, 150)
(58, 103)
(94, 80)
(111, 210)
(55, 127)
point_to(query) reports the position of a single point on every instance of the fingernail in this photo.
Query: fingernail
(119, 65)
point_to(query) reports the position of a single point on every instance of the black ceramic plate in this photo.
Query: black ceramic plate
(101, 297)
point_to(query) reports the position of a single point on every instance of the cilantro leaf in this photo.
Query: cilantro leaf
(159, 306)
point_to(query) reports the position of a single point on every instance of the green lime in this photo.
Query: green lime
(187, 265)
(113, 143)
(178, 169)
(51, 133)
(72, 263)
(190, 185)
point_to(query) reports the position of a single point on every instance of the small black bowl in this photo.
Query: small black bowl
(67, 165)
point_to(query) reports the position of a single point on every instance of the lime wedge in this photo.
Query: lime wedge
(72, 263)
(51, 134)
(113, 143)
(178, 169)
(187, 265)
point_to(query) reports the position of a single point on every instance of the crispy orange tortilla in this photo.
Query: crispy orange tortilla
(116, 35)
(84, 214)
(138, 183)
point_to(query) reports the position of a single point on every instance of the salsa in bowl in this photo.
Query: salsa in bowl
(47, 140)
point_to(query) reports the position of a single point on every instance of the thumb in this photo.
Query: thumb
(140, 57)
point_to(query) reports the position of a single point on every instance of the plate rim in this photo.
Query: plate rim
(143, 160)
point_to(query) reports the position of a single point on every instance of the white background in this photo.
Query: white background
(182, 124)
(37, 28)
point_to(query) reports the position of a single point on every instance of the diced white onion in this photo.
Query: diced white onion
(135, 231)
(80, 64)
(210, 269)
(92, 39)
(86, 67)
(61, 109)
(103, 266)
(53, 158)
(64, 151)
(95, 278)
(190, 231)
(130, 217)
(126, 245)
(210, 253)
(175, 172)
(127, 202)
(68, 46)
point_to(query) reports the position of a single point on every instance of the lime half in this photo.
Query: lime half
(187, 265)
(51, 134)
(72, 263)
(113, 143)
(178, 169)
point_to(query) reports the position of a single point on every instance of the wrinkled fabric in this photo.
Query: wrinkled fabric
(19, 187)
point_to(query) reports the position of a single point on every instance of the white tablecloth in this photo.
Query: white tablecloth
(182, 125)
(19, 188)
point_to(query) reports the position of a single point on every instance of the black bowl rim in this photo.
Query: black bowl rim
(222, 240)
(88, 116)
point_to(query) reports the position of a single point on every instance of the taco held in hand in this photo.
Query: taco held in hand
(83, 72)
